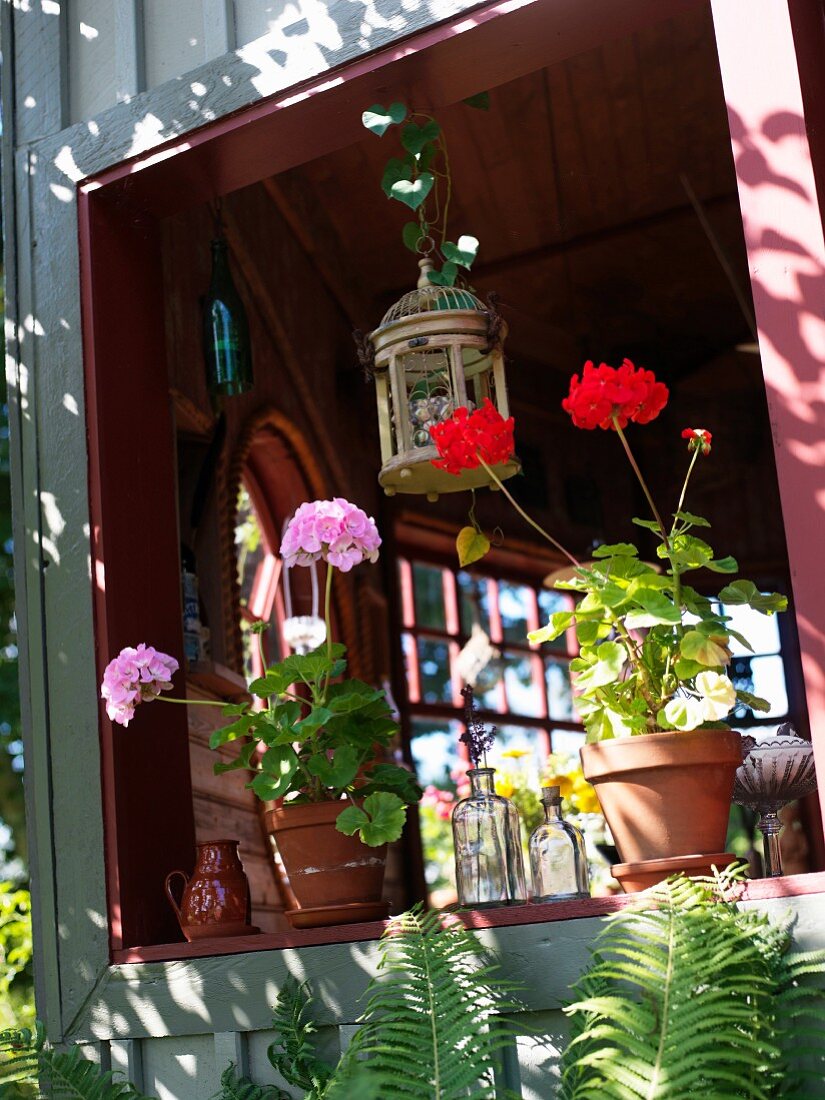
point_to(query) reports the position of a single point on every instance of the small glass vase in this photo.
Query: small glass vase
(489, 867)
(557, 856)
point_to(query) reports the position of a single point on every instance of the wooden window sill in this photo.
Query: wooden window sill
(755, 890)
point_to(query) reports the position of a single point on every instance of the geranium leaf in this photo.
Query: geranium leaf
(689, 517)
(723, 565)
(559, 622)
(379, 822)
(471, 545)
(462, 253)
(337, 771)
(378, 119)
(278, 766)
(746, 592)
(413, 192)
(626, 549)
(599, 666)
(696, 647)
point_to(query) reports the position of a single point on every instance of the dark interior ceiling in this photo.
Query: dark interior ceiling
(576, 182)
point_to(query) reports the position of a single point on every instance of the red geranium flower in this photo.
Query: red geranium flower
(698, 439)
(467, 438)
(607, 394)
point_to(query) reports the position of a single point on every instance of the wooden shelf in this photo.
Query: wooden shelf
(755, 890)
(217, 680)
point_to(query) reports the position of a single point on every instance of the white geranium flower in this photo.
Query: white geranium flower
(718, 695)
(683, 713)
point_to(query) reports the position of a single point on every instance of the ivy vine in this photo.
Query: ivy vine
(421, 179)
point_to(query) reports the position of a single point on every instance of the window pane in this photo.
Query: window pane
(488, 687)
(512, 738)
(559, 690)
(513, 603)
(762, 631)
(434, 669)
(549, 603)
(522, 680)
(473, 602)
(429, 596)
(566, 741)
(434, 747)
(763, 676)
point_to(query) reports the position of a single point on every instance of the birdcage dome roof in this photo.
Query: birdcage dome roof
(432, 299)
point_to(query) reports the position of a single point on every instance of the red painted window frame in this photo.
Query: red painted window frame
(146, 784)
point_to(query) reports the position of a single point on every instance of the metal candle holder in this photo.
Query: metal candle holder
(776, 769)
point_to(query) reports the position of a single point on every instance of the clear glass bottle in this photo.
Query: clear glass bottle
(489, 866)
(557, 855)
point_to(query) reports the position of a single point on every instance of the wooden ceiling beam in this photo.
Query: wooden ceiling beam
(314, 232)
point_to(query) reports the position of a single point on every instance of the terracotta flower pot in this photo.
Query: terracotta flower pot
(335, 878)
(665, 794)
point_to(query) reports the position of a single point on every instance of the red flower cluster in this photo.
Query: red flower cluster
(466, 438)
(624, 393)
(698, 439)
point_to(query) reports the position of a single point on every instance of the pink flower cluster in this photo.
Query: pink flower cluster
(135, 676)
(438, 800)
(335, 530)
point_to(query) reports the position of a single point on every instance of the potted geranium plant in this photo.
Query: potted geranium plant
(313, 739)
(653, 652)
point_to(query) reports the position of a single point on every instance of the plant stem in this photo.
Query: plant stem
(643, 484)
(327, 598)
(687, 479)
(190, 702)
(524, 515)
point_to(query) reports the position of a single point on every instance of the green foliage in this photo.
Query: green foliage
(431, 1030)
(421, 179)
(320, 743)
(695, 998)
(16, 987)
(630, 684)
(241, 1088)
(29, 1067)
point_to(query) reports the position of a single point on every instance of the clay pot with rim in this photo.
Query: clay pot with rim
(336, 879)
(665, 795)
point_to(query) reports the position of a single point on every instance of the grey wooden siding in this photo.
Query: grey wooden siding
(117, 48)
(175, 1026)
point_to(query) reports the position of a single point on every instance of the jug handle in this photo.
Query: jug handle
(169, 894)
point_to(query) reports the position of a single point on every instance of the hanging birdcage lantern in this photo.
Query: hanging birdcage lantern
(437, 349)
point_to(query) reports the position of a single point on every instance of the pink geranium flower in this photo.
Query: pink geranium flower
(136, 675)
(335, 530)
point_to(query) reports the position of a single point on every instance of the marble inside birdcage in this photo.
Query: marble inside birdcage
(430, 393)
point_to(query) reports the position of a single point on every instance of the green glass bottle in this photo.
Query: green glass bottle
(226, 342)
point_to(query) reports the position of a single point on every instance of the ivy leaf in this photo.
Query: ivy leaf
(696, 647)
(626, 549)
(414, 137)
(380, 821)
(412, 233)
(337, 772)
(413, 192)
(395, 170)
(471, 545)
(559, 622)
(446, 276)
(746, 592)
(378, 119)
(689, 517)
(462, 253)
(481, 101)
(599, 666)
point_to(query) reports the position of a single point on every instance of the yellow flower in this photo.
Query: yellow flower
(563, 782)
(505, 785)
(585, 798)
(516, 754)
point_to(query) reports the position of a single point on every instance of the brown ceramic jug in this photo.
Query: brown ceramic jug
(215, 899)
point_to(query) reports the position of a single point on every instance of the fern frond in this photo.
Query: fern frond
(70, 1076)
(695, 997)
(19, 1050)
(293, 1052)
(434, 1019)
(241, 1088)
